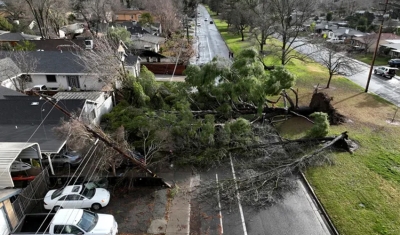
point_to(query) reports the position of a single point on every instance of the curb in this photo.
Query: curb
(325, 215)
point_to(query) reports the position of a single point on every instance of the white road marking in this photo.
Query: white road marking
(209, 50)
(238, 198)
(194, 182)
(219, 206)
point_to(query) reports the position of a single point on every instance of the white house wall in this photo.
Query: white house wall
(86, 82)
(100, 107)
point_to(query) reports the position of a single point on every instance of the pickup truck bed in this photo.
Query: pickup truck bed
(34, 223)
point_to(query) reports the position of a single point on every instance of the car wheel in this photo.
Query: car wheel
(375, 72)
(56, 208)
(96, 206)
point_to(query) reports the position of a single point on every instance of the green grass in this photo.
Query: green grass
(367, 58)
(360, 191)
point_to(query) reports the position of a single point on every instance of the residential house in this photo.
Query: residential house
(57, 70)
(369, 41)
(26, 113)
(132, 64)
(59, 44)
(97, 104)
(128, 15)
(344, 33)
(14, 38)
(147, 42)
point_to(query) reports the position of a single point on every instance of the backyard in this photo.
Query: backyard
(360, 191)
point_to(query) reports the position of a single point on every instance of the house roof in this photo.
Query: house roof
(53, 61)
(137, 29)
(395, 46)
(347, 32)
(149, 38)
(17, 37)
(127, 11)
(8, 69)
(7, 193)
(385, 37)
(9, 152)
(146, 53)
(25, 114)
(131, 59)
(86, 95)
(6, 93)
(59, 44)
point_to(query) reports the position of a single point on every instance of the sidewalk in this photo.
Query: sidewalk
(177, 219)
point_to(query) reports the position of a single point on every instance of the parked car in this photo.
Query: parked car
(76, 196)
(211, 22)
(394, 62)
(67, 221)
(198, 24)
(205, 19)
(385, 71)
(66, 159)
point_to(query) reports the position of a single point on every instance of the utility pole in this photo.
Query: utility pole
(107, 141)
(376, 47)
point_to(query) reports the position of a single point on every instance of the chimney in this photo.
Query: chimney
(347, 31)
(326, 26)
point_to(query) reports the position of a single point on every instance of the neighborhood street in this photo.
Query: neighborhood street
(388, 89)
(297, 213)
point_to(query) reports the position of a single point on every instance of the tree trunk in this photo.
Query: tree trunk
(242, 33)
(329, 80)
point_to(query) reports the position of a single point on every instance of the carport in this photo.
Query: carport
(11, 151)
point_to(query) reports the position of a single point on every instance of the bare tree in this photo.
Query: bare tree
(165, 12)
(95, 12)
(261, 24)
(331, 56)
(16, 9)
(41, 11)
(290, 15)
(179, 49)
(17, 67)
(104, 61)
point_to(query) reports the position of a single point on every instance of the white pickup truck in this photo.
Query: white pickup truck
(335, 40)
(67, 221)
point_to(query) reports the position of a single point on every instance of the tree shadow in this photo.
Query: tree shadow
(348, 98)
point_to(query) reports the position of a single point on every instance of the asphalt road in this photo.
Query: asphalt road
(295, 214)
(210, 42)
(388, 89)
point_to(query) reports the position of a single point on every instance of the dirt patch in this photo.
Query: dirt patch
(133, 209)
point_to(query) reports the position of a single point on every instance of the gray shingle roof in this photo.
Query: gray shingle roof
(17, 37)
(23, 116)
(8, 69)
(54, 61)
(6, 93)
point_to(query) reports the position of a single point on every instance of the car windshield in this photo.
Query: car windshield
(88, 220)
(89, 193)
(57, 193)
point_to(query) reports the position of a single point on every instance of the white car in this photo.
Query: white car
(77, 196)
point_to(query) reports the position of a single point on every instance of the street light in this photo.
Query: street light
(376, 47)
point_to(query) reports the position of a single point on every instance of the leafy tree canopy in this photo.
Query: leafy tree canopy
(203, 118)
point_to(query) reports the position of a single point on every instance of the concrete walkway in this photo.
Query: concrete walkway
(177, 220)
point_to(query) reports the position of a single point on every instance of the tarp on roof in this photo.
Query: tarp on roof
(9, 152)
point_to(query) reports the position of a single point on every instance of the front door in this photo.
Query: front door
(73, 81)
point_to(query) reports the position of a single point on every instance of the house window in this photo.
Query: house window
(26, 78)
(51, 78)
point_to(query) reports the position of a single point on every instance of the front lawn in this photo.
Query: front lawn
(360, 191)
(367, 58)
